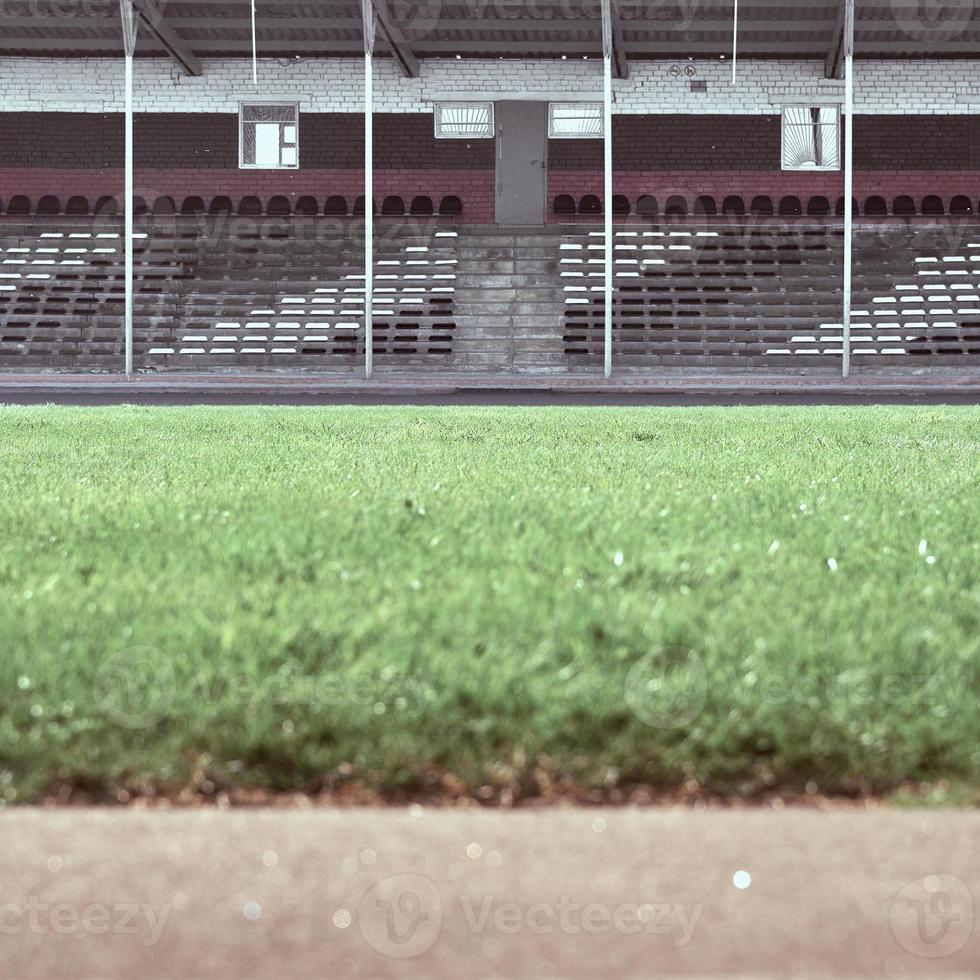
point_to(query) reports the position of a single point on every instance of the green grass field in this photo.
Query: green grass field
(489, 601)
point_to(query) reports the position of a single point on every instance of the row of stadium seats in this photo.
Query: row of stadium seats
(564, 205)
(278, 206)
(263, 293)
(743, 294)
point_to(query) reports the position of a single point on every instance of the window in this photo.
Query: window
(268, 136)
(575, 120)
(811, 137)
(464, 120)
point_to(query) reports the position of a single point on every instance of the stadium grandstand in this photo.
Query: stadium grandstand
(536, 186)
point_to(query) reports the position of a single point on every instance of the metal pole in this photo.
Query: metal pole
(368, 214)
(608, 188)
(848, 179)
(735, 45)
(128, 211)
(255, 51)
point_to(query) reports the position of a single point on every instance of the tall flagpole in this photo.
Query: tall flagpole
(848, 180)
(607, 44)
(367, 10)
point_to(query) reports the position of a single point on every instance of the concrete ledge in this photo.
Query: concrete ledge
(680, 387)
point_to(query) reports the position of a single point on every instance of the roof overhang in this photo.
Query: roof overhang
(409, 30)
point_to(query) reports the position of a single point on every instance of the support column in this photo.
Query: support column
(735, 45)
(607, 51)
(367, 10)
(848, 180)
(129, 25)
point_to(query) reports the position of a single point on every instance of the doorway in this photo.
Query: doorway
(522, 162)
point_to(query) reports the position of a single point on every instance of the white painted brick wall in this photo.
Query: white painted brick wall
(324, 85)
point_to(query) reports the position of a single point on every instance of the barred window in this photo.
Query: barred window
(575, 120)
(268, 136)
(464, 120)
(811, 137)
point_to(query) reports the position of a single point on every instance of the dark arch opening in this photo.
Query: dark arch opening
(875, 207)
(250, 205)
(307, 206)
(393, 205)
(451, 205)
(706, 205)
(733, 204)
(564, 204)
(49, 204)
(647, 206)
(77, 205)
(903, 205)
(961, 204)
(278, 206)
(107, 206)
(818, 207)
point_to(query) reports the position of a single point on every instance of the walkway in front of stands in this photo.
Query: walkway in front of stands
(718, 387)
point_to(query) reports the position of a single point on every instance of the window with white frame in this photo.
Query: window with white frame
(575, 120)
(811, 137)
(268, 135)
(464, 120)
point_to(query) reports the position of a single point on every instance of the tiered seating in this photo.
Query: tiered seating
(278, 205)
(62, 291)
(565, 206)
(209, 292)
(773, 296)
(917, 293)
(271, 296)
(687, 294)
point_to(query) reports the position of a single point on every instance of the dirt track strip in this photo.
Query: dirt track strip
(430, 893)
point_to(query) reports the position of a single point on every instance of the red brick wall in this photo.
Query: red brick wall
(691, 184)
(753, 143)
(180, 154)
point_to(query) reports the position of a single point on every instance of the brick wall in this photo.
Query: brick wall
(918, 128)
(77, 140)
(336, 85)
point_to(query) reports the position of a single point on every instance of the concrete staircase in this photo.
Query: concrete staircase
(508, 304)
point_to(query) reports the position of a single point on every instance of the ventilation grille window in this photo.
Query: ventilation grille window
(464, 121)
(575, 120)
